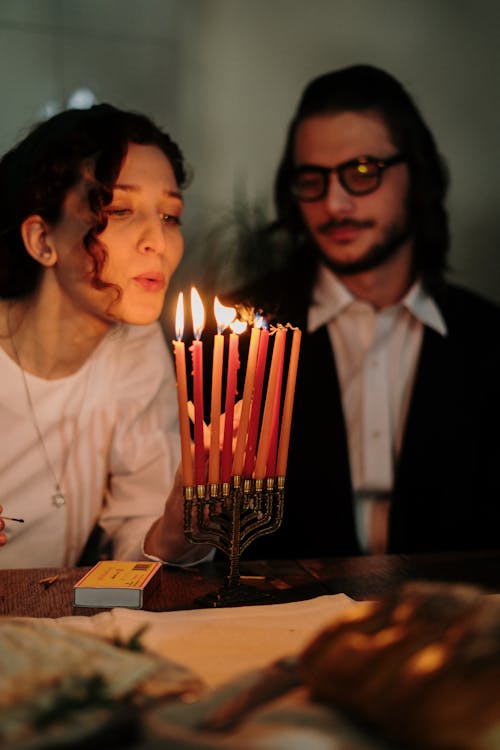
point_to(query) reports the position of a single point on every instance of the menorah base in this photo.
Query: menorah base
(235, 596)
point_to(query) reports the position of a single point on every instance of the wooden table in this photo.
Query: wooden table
(23, 593)
(366, 577)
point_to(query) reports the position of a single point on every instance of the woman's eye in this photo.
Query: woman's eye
(115, 211)
(171, 219)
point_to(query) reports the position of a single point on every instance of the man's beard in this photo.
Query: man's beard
(376, 256)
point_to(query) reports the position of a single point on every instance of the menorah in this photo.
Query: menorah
(230, 518)
(240, 497)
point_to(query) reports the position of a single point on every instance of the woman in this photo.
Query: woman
(90, 236)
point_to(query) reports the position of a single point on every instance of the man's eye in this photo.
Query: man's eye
(171, 219)
(366, 170)
(309, 180)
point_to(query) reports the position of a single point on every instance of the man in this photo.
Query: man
(395, 435)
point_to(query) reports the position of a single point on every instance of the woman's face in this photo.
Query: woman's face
(142, 240)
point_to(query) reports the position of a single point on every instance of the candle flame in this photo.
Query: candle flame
(238, 326)
(197, 313)
(223, 315)
(179, 317)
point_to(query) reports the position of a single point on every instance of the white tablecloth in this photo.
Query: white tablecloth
(220, 644)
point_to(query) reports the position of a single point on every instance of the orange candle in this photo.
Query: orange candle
(286, 420)
(241, 436)
(271, 395)
(253, 426)
(223, 316)
(198, 315)
(273, 441)
(182, 396)
(232, 370)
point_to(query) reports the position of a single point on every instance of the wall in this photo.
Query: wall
(225, 75)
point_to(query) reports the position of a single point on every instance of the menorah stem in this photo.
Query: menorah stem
(233, 577)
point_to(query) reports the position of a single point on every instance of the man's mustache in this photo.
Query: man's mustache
(340, 223)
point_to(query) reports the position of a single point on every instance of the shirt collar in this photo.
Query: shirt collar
(424, 308)
(331, 298)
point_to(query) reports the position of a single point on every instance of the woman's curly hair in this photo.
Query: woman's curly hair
(35, 177)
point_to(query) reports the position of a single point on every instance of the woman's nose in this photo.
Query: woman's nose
(153, 237)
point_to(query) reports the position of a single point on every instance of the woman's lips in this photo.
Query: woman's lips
(151, 282)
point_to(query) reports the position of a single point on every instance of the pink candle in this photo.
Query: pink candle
(273, 442)
(232, 370)
(253, 425)
(182, 396)
(214, 455)
(286, 420)
(271, 395)
(241, 436)
(198, 315)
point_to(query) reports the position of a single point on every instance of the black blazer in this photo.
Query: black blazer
(447, 483)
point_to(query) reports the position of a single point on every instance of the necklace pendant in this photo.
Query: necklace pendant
(58, 498)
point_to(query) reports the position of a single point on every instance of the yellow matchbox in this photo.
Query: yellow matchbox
(117, 583)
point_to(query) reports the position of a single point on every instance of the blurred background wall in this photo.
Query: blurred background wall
(224, 76)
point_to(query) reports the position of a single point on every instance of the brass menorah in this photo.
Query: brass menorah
(243, 497)
(230, 517)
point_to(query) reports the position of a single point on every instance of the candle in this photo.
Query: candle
(241, 435)
(223, 316)
(182, 396)
(271, 395)
(253, 426)
(233, 364)
(286, 419)
(273, 441)
(196, 349)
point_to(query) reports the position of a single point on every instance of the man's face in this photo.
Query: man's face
(354, 232)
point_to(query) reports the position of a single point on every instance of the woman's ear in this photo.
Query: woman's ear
(34, 234)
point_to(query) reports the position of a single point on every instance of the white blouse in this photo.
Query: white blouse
(112, 440)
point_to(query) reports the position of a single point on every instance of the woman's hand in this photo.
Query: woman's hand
(3, 536)
(206, 428)
(166, 539)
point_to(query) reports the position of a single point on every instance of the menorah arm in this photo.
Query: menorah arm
(233, 518)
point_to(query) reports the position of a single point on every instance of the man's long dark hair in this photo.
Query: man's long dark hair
(362, 88)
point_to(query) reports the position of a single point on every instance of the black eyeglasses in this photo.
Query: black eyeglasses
(359, 176)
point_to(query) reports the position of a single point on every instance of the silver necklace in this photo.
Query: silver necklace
(58, 497)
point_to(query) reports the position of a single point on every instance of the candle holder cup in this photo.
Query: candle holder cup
(230, 516)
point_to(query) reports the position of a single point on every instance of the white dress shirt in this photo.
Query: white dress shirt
(376, 353)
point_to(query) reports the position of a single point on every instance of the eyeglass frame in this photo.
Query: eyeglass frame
(326, 172)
